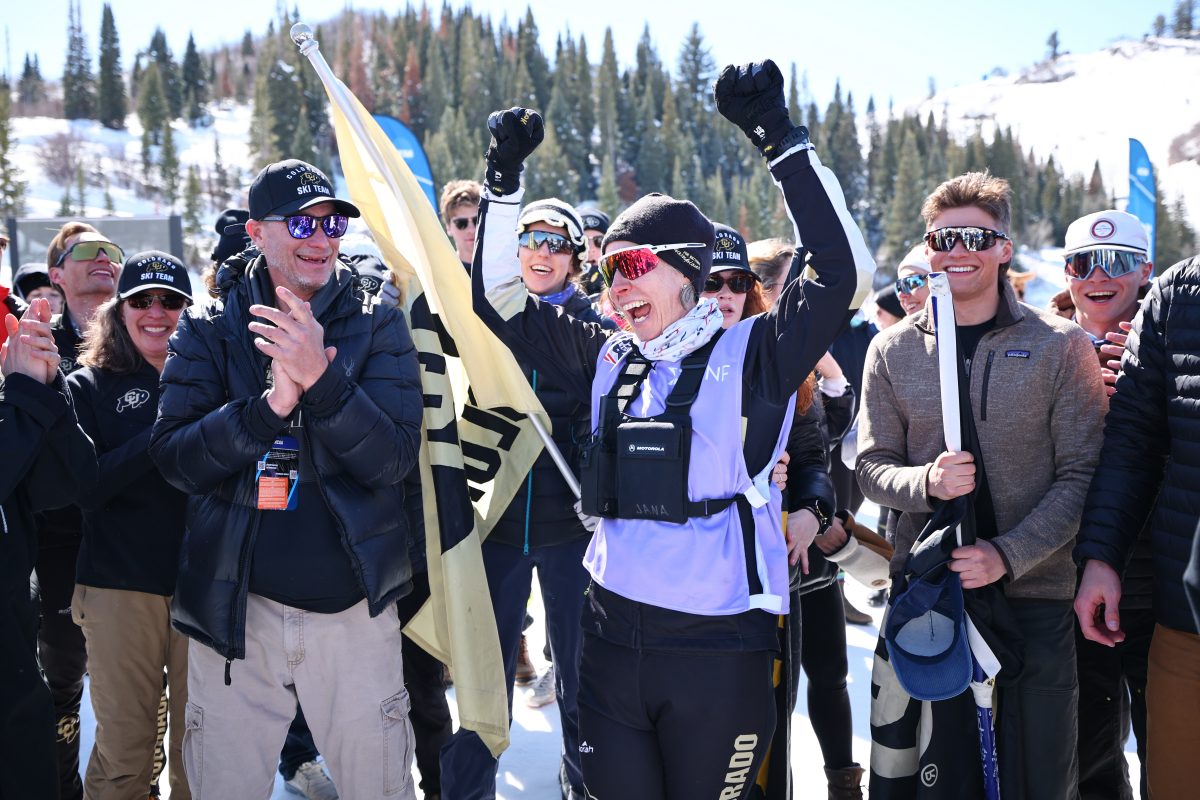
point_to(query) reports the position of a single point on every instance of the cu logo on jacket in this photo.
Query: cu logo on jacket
(929, 775)
(132, 399)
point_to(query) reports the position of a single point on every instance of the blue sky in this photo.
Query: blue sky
(876, 47)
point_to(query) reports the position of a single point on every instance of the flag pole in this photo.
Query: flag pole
(302, 36)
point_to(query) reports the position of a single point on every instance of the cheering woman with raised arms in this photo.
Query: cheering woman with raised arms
(688, 563)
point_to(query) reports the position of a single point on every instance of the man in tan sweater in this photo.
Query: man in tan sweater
(1038, 403)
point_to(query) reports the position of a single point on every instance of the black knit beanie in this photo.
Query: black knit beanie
(659, 219)
(886, 299)
(232, 229)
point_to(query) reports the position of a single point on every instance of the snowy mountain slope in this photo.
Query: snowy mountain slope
(1085, 107)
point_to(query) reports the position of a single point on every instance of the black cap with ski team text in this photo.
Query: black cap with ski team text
(154, 269)
(288, 187)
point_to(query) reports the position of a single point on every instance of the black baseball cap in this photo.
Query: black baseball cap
(594, 219)
(154, 269)
(288, 187)
(729, 250)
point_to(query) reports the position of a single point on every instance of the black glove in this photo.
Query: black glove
(515, 134)
(751, 97)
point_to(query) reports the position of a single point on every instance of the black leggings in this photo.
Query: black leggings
(823, 656)
(672, 725)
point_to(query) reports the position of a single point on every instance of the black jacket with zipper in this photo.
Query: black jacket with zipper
(362, 420)
(543, 511)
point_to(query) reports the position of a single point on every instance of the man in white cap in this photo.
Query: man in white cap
(1147, 474)
(1107, 269)
(912, 280)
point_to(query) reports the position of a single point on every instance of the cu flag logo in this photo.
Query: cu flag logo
(929, 775)
(132, 399)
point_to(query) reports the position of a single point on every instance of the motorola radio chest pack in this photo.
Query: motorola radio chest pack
(637, 467)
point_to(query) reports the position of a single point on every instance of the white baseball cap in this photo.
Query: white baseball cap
(1110, 230)
(916, 261)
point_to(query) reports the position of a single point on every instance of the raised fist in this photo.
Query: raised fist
(516, 133)
(751, 97)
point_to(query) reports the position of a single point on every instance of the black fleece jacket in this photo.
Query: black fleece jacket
(132, 518)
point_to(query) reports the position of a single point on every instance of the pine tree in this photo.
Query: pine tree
(715, 199)
(585, 114)
(31, 88)
(608, 84)
(12, 188)
(652, 168)
(902, 226)
(160, 53)
(168, 168)
(693, 95)
(1182, 27)
(437, 84)
(550, 173)
(147, 156)
(220, 190)
(1096, 198)
(301, 146)
(195, 84)
(412, 94)
(606, 194)
(81, 189)
(1160, 25)
(111, 102)
(78, 84)
(193, 205)
(535, 59)
(1052, 46)
(152, 110)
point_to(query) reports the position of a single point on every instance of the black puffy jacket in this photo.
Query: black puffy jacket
(363, 419)
(1150, 461)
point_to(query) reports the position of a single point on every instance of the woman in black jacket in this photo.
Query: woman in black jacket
(132, 528)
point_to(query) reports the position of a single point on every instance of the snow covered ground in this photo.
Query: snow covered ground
(529, 768)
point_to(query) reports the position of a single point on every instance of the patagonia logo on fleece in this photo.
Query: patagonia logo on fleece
(1017, 354)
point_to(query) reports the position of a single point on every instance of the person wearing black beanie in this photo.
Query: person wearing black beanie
(231, 227)
(888, 310)
(688, 561)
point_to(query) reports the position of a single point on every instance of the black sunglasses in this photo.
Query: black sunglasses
(910, 283)
(555, 241)
(302, 226)
(461, 223)
(169, 302)
(596, 240)
(974, 239)
(738, 283)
